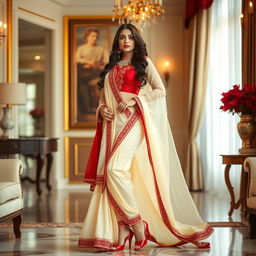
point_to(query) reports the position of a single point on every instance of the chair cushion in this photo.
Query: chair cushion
(10, 207)
(251, 202)
(253, 187)
(9, 191)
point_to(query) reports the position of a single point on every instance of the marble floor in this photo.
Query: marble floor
(69, 207)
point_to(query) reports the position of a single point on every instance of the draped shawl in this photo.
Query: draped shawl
(161, 192)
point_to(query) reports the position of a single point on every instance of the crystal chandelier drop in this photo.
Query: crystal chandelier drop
(141, 12)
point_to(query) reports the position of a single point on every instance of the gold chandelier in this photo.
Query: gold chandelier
(141, 12)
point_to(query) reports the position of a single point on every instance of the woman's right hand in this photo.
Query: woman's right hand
(106, 114)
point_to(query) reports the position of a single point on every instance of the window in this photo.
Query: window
(26, 127)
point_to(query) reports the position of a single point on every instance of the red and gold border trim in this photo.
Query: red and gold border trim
(95, 243)
(122, 215)
(193, 238)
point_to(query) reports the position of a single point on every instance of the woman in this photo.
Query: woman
(133, 168)
(91, 59)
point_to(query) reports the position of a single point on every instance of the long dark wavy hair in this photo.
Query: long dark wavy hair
(138, 60)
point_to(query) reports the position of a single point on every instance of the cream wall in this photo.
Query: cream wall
(164, 40)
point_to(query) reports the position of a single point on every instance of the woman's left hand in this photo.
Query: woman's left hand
(125, 104)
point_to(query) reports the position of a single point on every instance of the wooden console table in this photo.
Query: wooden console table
(236, 160)
(35, 147)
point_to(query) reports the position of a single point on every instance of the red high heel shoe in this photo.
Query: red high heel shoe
(142, 243)
(120, 247)
(204, 245)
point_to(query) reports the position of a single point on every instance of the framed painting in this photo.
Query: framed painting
(88, 42)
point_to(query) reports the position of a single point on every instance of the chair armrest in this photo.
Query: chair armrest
(10, 170)
(250, 164)
(250, 167)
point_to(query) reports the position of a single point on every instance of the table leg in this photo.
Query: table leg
(242, 188)
(245, 193)
(233, 204)
(48, 170)
(39, 167)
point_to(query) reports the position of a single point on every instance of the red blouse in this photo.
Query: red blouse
(126, 80)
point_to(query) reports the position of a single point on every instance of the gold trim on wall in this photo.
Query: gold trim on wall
(9, 41)
(67, 209)
(66, 145)
(36, 14)
(66, 74)
(76, 210)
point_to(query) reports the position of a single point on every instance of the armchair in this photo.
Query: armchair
(250, 167)
(11, 199)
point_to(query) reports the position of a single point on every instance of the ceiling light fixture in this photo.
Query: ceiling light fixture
(141, 12)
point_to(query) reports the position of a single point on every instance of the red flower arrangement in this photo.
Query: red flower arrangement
(240, 101)
(37, 112)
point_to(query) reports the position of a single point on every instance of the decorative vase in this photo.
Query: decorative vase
(247, 132)
(38, 126)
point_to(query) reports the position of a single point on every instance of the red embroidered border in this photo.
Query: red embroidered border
(122, 215)
(130, 123)
(108, 149)
(89, 180)
(99, 179)
(121, 223)
(94, 243)
(124, 132)
(193, 238)
(112, 75)
(128, 126)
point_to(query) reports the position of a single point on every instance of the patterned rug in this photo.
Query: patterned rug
(44, 225)
(79, 225)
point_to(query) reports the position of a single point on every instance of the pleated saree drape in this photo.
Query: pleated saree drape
(148, 184)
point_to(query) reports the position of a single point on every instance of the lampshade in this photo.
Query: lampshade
(13, 93)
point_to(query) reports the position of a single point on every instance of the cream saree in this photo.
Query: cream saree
(139, 175)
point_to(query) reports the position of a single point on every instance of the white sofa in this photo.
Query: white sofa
(11, 199)
(250, 168)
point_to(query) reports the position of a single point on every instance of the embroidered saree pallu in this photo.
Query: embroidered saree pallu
(135, 172)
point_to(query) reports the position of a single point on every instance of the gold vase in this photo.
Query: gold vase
(247, 132)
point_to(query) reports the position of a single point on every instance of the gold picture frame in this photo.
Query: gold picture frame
(87, 44)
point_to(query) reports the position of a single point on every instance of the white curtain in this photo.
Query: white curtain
(219, 133)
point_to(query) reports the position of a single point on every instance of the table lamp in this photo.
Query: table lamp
(10, 94)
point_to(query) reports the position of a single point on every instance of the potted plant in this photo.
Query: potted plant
(242, 101)
(37, 114)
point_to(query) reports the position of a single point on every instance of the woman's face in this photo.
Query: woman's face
(126, 41)
(92, 38)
